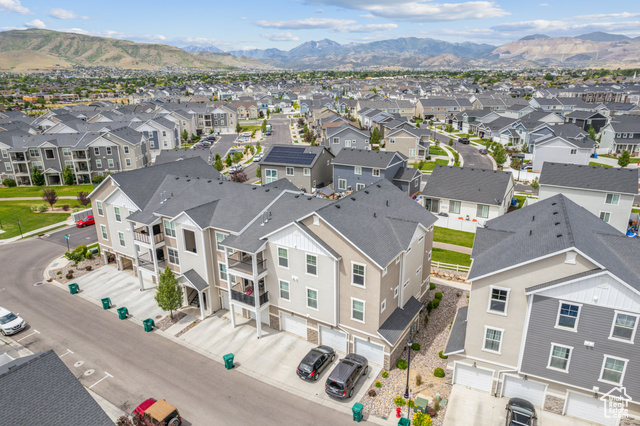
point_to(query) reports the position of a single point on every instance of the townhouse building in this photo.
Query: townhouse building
(346, 135)
(307, 168)
(409, 140)
(621, 134)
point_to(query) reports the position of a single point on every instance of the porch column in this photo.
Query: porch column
(256, 293)
(233, 315)
(231, 307)
(153, 250)
(201, 307)
(135, 255)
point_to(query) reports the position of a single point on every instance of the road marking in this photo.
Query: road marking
(107, 375)
(66, 353)
(78, 364)
(34, 332)
(89, 372)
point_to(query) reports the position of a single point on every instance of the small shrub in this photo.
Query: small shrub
(431, 412)
(411, 404)
(69, 275)
(372, 392)
(401, 364)
(438, 372)
(88, 268)
(436, 406)
(42, 208)
(88, 255)
(429, 306)
(442, 356)
(418, 380)
(435, 304)
(65, 208)
(399, 401)
(415, 347)
(76, 210)
(432, 286)
(9, 183)
(59, 273)
(426, 319)
(438, 295)
(35, 207)
(378, 384)
(457, 294)
(420, 419)
(385, 374)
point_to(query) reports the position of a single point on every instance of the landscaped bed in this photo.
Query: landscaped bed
(82, 268)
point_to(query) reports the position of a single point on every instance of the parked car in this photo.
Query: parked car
(483, 151)
(258, 157)
(10, 323)
(521, 413)
(315, 362)
(158, 411)
(464, 141)
(89, 220)
(235, 168)
(527, 167)
(343, 378)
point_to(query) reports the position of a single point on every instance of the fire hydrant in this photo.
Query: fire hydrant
(398, 411)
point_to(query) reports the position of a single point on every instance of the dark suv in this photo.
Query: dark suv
(315, 362)
(521, 412)
(343, 378)
(464, 141)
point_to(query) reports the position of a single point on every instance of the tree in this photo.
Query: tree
(218, 164)
(263, 128)
(624, 159)
(500, 155)
(236, 157)
(37, 177)
(238, 176)
(375, 136)
(300, 121)
(49, 195)
(448, 128)
(67, 176)
(592, 133)
(228, 161)
(169, 294)
(238, 128)
(308, 137)
(258, 174)
(535, 184)
(450, 141)
(516, 163)
(185, 135)
(217, 156)
(83, 198)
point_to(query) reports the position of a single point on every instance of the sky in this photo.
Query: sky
(284, 24)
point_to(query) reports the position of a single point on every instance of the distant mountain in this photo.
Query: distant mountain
(315, 48)
(535, 37)
(194, 49)
(600, 36)
(22, 50)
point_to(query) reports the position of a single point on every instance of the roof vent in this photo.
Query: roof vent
(554, 203)
(378, 185)
(530, 232)
(266, 190)
(353, 198)
(555, 213)
(559, 235)
(366, 191)
(296, 196)
(177, 178)
(220, 183)
(337, 206)
(387, 203)
(557, 223)
(374, 214)
(209, 181)
(188, 180)
(533, 218)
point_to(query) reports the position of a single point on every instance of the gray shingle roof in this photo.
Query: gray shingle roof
(406, 174)
(40, 390)
(590, 177)
(458, 333)
(399, 320)
(626, 124)
(468, 184)
(194, 278)
(292, 155)
(367, 158)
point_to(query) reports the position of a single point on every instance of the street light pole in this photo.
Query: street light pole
(409, 343)
(20, 228)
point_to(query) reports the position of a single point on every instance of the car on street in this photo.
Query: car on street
(89, 220)
(520, 412)
(315, 362)
(10, 323)
(483, 151)
(464, 141)
(342, 380)
(158, 411)
(258, 157)
(235, 168)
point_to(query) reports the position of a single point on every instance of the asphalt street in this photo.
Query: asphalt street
(469, 153)
(125, 365)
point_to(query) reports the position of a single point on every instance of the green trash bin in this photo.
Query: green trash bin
(122, 313)
(357, 412)
(404, 422)
(148, 324)
(106, 303)
(228, 361)
(74, 288)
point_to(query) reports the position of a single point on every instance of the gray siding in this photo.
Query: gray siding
(54, 162)
(357, 141)
(366, 178)
(594, 324)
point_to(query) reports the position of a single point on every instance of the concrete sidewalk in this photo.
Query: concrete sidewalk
(452, 247)
(37, 231)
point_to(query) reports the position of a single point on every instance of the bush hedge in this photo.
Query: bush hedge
(442, 356)
(438, 295)
(401, 364)
(438, 372)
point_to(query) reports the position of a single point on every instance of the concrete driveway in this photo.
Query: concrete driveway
(470, 407)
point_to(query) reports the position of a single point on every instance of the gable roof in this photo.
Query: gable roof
(292, 155)
(590, 177)
(468, 184)
(391, 330)
(367, 158)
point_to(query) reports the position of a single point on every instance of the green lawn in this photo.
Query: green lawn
(520, 199)
(591, 163)
(12, 211)
(453, 257)
(451, 236)
(436, 150)
(36, 191)
(428, 166)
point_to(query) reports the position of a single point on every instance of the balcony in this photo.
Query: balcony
(82, 168)
(147, 264)
(80, 155)
(249, 299)
(145, 237)
(18, 157)
(242, 263)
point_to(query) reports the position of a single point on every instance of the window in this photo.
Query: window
(483, 211)
(99, 163)
(357, 275)
(99, 207)
(392, 140)
(624, 327)
(96, 151)
(173, 256)
(312, 298)
(357, 170)
(164, 133)
(108, 150)
(342, 184)
(612, 199)
(307, 171)
(110, 162)
(606, 216)
(336, 140)
(284, 290)
(498, 300)
(359, 186)
(347, 144)
(383, 305)
(48, 154)
(103, 228)
(398, 259)
(222, 268)
(613, 370)
(395, 292)
(219, 238)
(34, 153)
(190, 241)
(559, 357)
(69, 163)
(357, 310)
(7, 166)
(127, 161)
(384, 272)
(574, 152)
(418, 270)
(169, 228)
(283, 257)
(116, 210)
(454, 207)
(412, 152)
(568, 316)
(126, 149)
(66, 152)
(492, 339)
(375, 172)
(270, 176)
(289, 171)
(121, 238)
(312, 264)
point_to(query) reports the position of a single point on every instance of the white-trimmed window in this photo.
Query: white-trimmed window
(219, 238)
(283, 257)
(108, 150)
(359, 186)
(110, 163)
(613, 199)
(173, 256)
(103, 228)
(419, 270)
(454, 207)
(492, 339)
(606, 216)
(96, 150)
(559, 357)
(357, 310)
(347, 144)
(222, 269)
(116, 210)
(289, 171)
(270, 175)
(284, 290)
(189, 241)
(568, 314)
(312, 265)
(392, 140)
(306, 171)
(126, 149)
(412, 152)
(375, 172)
(498, 300)
(574, 152)
(127, 162)
(384, 271)
(342, 184)
(66, 152)
(357, 274)
(121, 238)
(336, 140)
(482, 211)
(357, 170)
(396, 291)
(398, 259)
(312, 298)
(383, 305)
(169, 228)
(99, 163)
(613, 369)
(624, 327)
(99, 208)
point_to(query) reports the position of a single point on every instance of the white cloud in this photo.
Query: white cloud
(244, 18)
(306, 24)
(287, 36)
(14, 6)
(36, 23)
(609, 16)
(568, 27)
(65, 14)
(544, 5)
(370, 28)
(319, 11)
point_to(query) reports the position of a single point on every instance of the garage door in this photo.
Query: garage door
(515, 387)
(374, 353)
(334, 338)
(587, 407)
(294, 325)
(473, 377)
(264, 315)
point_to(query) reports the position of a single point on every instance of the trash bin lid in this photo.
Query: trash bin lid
(357, 407)
(227, 356)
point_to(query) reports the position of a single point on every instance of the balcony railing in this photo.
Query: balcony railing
(146, 238)
(246, 266)
(18, 157)
(82, 169)
(148, 264)
(79, 156)
(249, 299)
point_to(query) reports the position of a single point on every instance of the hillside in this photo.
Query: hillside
(24, 50)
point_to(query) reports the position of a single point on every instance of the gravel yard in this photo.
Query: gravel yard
(432, 340)
(60, 274)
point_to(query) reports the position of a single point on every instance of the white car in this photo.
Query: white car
(258, 157)
(10, 323)
(235, 168)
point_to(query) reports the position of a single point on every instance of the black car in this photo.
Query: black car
(315, 362)
(343, 378)
(483, 151)
(464, 141)
(521, 413)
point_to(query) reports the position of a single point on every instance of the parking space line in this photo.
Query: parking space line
(34, 332)
(69, 351)
(107, 375)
